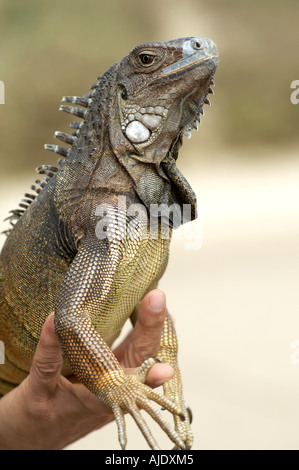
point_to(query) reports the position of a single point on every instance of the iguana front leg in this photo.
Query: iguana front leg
(86, 291)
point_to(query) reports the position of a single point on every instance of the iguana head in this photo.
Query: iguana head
(161, 88)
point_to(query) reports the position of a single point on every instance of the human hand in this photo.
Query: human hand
(49, 411)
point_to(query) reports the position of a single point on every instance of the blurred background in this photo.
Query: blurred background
(234, 298)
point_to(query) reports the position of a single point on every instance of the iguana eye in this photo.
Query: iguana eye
(146, 59)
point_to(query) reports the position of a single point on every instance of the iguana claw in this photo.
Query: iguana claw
(133, 396)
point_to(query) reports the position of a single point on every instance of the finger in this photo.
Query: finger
(146, 337)
(47, 363)
(144, 340)
(152, 311)
(157, 375)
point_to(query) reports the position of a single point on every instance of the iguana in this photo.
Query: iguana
(82, 244)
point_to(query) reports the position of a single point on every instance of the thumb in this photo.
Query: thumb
(47, 362)
(146, 337)
(144, 341)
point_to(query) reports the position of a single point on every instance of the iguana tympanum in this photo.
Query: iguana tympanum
(82, 245)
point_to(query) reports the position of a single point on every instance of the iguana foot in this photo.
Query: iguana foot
(173, 392)
(131, 396)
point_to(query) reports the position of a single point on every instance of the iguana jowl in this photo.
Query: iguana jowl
(57, 257)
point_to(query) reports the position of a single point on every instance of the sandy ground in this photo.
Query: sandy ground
(235, 300)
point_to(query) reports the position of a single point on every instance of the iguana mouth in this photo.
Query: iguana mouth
(196, 52)
(185, 65)
(197, 119)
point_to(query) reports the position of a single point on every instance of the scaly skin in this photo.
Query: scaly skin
(81, 247)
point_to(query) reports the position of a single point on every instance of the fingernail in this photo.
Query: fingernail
(157, 302)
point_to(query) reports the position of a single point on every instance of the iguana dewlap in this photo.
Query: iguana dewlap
(94, 237)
